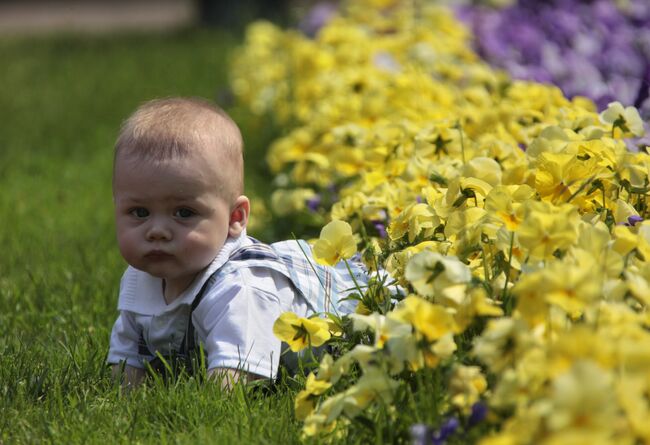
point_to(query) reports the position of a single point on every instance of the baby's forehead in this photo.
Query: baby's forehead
(204, 153)
(195, 169)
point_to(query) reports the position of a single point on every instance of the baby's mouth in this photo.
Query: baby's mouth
(157, 255)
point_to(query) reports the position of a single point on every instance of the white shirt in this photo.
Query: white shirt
(234, 320)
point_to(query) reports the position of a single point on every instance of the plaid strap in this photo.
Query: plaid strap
(322, 287)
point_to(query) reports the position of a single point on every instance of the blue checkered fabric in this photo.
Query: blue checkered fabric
(324, 288)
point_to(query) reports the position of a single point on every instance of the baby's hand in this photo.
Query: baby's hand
(229, 377)
(130, 377)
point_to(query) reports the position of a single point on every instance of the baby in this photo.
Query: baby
(196, 281)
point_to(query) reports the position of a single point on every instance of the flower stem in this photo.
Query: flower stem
(508, 301)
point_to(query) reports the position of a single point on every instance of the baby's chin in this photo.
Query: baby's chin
(155, 271)
(172, 267)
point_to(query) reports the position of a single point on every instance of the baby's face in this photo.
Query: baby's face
(170, 218)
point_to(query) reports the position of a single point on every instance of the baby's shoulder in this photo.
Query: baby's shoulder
(253, 274)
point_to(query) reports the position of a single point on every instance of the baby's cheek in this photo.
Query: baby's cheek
(202, 245)
(127, 244)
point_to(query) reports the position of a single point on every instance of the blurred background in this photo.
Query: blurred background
(40, 16)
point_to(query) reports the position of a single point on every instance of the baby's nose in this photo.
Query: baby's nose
(157, 231)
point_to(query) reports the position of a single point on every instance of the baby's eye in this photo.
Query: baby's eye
(184, 213)
(139, 212)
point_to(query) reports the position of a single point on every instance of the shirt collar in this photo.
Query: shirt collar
(142, 293)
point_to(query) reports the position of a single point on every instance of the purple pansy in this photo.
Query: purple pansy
(313, 203)
(447, 429)
(591, 48)
(478, 414)
(633, 220)
(380, 226)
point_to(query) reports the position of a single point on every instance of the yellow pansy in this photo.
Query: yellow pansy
(475, 303)
(466, 386)
(643, 246)
(445, 346)
(299, 332)
(638, 282)
(485, 169)
(431, 320)
(373, 385)
(561, 177)
(316, 423)
(415, 219)
(479, 187)
(578, 344)
(505, 204)
(500, 439)
(502, 342)
(397, 261)
(581, 399)
(624, 240)
(571, 286)
(466, 223)
(632, 392)
(383, 327)
(531, 305)
(335, 328)
(594, 235)
(303, 405)
(405, 351)
(331, 370)
(336, 243)
(348, 205)
(305, 400)
(623, 211)
(285, 202)
(547, 228)
(434, 322)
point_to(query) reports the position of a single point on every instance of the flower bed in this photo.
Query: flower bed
(595, 48)
(506, 226)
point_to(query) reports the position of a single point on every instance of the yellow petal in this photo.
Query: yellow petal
(336, 242)
(317, 330)
(289, 329)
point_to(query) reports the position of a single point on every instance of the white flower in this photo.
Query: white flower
(431, 273)
(628, 118)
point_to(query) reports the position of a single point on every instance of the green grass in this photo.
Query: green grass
(62, 100)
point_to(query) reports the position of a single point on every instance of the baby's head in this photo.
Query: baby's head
(173, 129)
(177, 187)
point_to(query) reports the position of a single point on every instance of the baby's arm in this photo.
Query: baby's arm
(230, 377)
(124, 350)
(235, 322)
(225, 376)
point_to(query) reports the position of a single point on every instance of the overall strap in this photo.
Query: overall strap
(189, 342)
(256, 251)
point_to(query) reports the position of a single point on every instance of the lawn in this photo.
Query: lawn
(62, 100)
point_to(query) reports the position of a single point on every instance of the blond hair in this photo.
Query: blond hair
(164, 129)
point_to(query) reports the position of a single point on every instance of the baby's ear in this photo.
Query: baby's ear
(239, 216)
